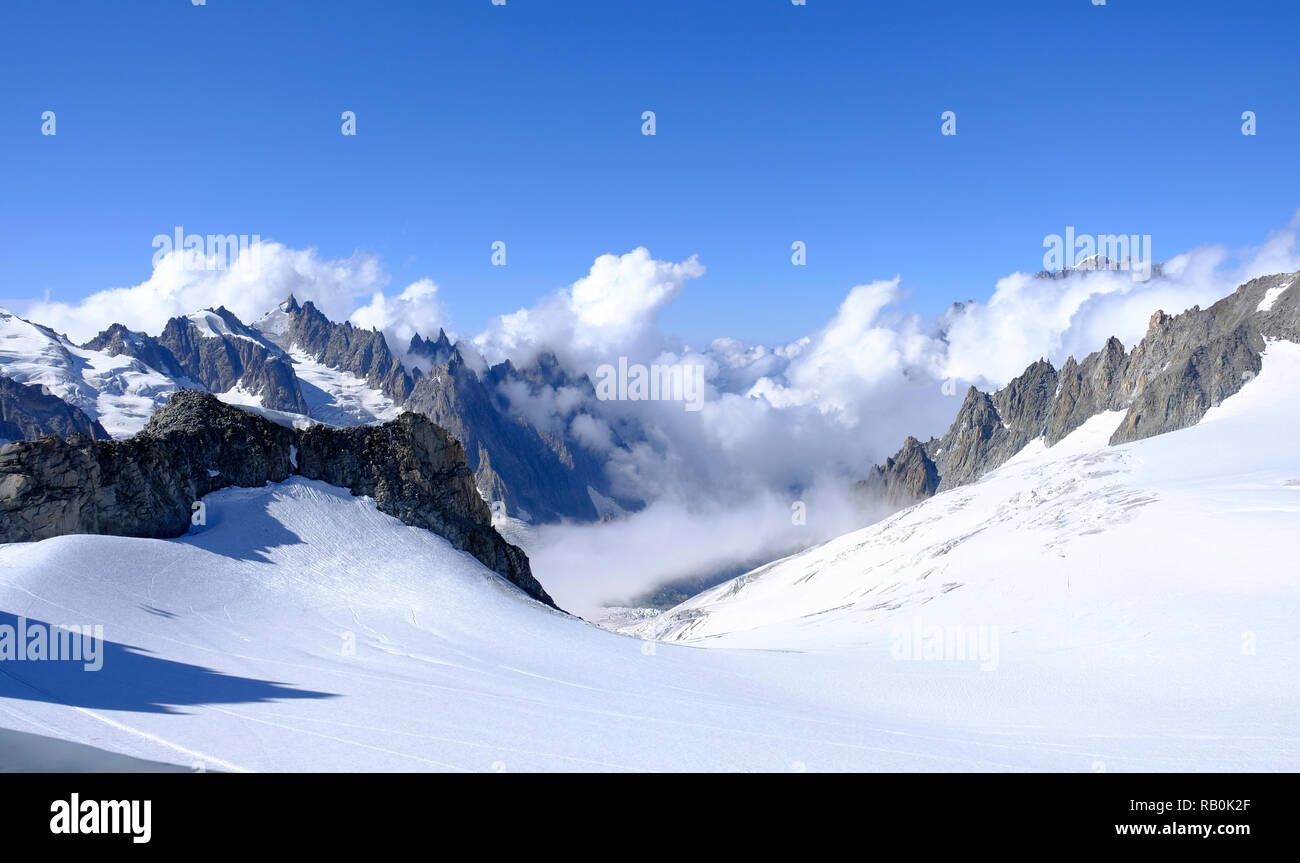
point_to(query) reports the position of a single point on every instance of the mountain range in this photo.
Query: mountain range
(1184, 365)
(296, 366)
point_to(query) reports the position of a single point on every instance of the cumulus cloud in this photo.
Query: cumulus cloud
(252, 284)
(415, 311)
(610, 312)
(1027, 318)
(841, 398)
(184, 281)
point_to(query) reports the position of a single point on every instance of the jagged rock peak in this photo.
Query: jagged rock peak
(1183, 366)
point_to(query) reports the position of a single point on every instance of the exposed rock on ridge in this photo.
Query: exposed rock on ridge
(363, 353)
(1183, 366)
(30, 411)
(217, 362)
(146, 485)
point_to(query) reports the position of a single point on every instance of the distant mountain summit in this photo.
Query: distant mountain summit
(1097, 262)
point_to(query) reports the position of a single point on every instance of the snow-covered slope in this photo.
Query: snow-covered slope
(337, 397)
(212, 323)
(121, 392)
(302, 629)
(1144, 544)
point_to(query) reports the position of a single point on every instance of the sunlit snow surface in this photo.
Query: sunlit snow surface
(1143, 597)
(338, 397)
(121, 392)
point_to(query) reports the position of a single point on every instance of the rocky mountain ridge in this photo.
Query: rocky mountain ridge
(150, 484)
(1183, 366)
(538, 474)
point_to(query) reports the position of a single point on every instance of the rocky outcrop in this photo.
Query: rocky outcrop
(1088, 388)
(147, 485)
(430, 352)
(27, 412)
(216, 359)
(973, 442)
(1194, 381)
(907, 478)
(1183, 366)
(1188, 363)
(117, 340)
(989, 429)
(416, 472)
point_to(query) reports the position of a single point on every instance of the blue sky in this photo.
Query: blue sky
(522, 123)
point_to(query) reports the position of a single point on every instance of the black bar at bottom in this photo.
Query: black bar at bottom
(214, 812)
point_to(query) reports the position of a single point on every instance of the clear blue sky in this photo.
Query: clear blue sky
(522, 123)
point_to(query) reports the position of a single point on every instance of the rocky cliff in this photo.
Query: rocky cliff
(904, 479)
(30, 411)
(148, 485)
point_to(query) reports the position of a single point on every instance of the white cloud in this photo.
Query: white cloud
(610, 312)
(815, 414)
(251, 286)
(416, 310)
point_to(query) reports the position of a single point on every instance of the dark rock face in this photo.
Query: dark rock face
(989, 429)
(363, 353)
(907, 478)
(117, 340)
(1025, 404)
(973, 441)
(1188, 363)
(1192, 384)
(146, 486)
(435, 352)
(416, 472)
(1184, 365)
(142, 486)
(221, 362)
(1095, 385)
(582, 467)
(27, 412)
(534, 474)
